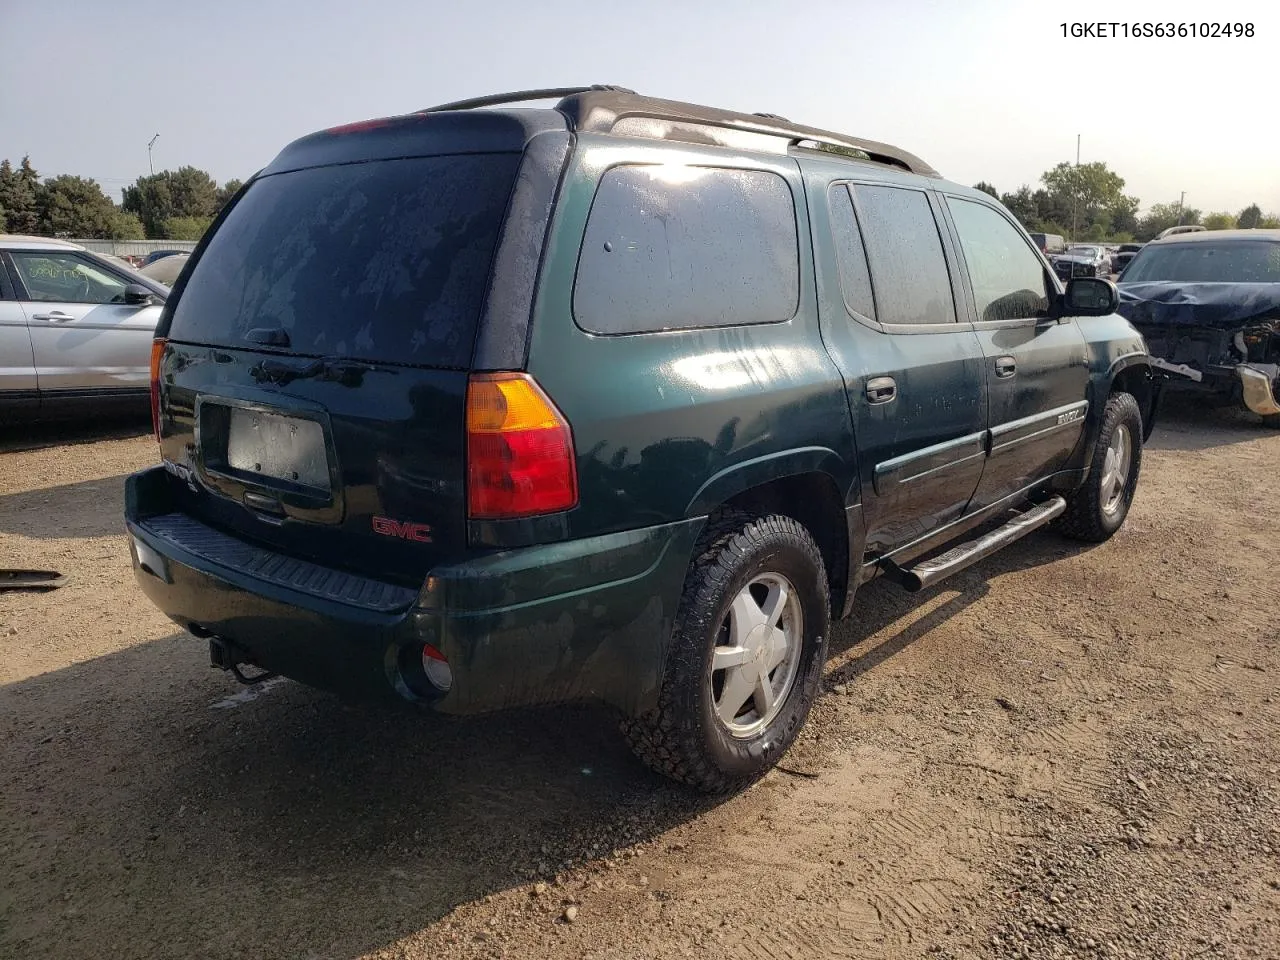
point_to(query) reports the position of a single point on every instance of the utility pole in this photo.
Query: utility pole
(150, 144)
(1075, 191)
(1181, 200)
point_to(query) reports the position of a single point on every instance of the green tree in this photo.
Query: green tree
(195, 193)
(1021, 203)
(1220, 221)
(1270, 221)
(835, 148)
(70, 206)
(1124, 219)
(1161, 216)
(171, 194)
(186, 228)
(986, 188)
(125, 226)
(151, 200)
(227, 191)
(1089, 194)
(18, 192)
(1249, 217)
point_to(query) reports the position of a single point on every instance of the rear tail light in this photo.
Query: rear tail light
(157, 353)
(520, 458)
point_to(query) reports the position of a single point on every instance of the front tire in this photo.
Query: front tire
(1098, 509)
(746, 655)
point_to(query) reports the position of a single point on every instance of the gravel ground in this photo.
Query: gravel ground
(1062, 752)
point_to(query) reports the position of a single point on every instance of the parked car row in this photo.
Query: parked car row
(1096, 259)
(1124, 253)
(1083, 260)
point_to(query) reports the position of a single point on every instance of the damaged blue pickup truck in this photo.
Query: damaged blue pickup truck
(1208, 305)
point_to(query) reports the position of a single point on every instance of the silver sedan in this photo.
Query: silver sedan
(75, 330)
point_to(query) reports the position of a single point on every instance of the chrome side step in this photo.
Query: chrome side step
(928, 572)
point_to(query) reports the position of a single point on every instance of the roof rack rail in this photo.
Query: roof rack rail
(522, 96)
(602, 107)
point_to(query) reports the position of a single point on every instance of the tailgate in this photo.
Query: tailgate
(313, 387)
(368, 479)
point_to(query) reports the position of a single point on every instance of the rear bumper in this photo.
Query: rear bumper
(580, 620)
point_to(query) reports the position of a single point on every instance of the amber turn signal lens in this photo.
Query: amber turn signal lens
(520, 456)
(157, 354)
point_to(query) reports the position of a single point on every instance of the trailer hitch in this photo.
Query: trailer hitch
(225, 655)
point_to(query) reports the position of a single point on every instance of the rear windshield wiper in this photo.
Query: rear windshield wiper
(269, 336)
(347, 372)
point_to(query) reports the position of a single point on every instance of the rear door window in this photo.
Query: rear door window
(676, 247)
(908, 267)
(385, 261)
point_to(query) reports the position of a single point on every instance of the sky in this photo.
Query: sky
(988, 90)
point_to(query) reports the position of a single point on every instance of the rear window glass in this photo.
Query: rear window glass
(1204, 261)
(675, 247)
(905, 252)
(384, 261)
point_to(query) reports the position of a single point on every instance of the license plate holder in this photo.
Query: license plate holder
(279, 447)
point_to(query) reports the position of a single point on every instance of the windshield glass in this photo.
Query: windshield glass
(1241, 261)
(1083, 251)
(383, 261)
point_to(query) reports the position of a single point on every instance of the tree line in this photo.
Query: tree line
(170, 205)
(1090, 198)
(1084, 202)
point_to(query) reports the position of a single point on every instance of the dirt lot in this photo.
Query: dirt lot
(1063, 752)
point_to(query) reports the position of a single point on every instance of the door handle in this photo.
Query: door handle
(55, 315)
(881, 390)
(1006, 367)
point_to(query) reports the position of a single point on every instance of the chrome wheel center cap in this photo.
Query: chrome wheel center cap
(757, 642)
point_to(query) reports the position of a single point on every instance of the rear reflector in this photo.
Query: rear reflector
(437, 669)
(157, 354)
(520, 460)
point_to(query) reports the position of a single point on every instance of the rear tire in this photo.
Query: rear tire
(1098, 509)
(752, 626)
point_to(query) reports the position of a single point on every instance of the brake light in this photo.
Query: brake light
(519, 450)
(157, 353)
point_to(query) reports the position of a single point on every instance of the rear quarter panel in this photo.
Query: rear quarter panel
(669, 424)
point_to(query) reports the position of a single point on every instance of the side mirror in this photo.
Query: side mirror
(1090, 297)
(135, 294)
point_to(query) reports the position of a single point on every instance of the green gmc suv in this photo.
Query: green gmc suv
(619, 400)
